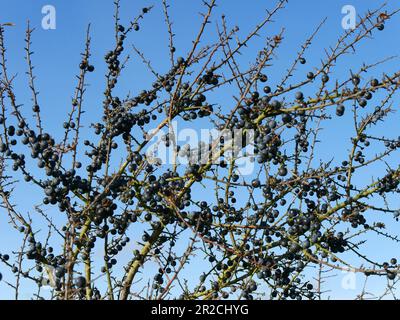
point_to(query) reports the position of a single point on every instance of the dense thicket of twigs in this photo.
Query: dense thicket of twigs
(246, 234)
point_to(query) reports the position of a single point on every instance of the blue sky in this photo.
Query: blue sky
(57, 56)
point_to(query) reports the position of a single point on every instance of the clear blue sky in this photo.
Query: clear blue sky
(57, 56)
